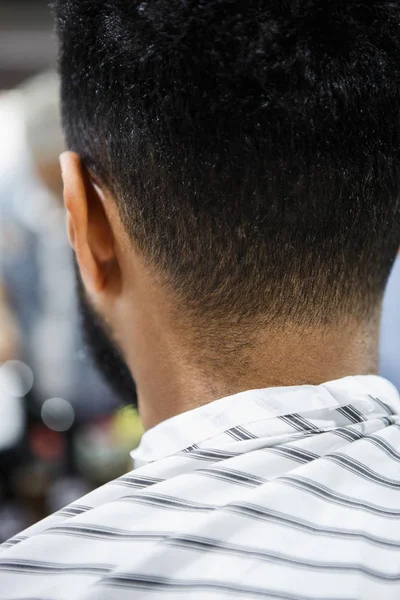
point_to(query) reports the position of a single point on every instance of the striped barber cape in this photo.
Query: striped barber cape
(282, 493)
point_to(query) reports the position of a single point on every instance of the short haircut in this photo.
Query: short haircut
(252, 146)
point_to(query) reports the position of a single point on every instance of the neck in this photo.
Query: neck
(173, 375)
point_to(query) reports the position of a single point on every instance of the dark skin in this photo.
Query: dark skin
(156, 338)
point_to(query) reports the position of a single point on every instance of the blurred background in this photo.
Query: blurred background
(62, 432)
(26, 41)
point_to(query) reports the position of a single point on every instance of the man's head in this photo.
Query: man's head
(246, 159)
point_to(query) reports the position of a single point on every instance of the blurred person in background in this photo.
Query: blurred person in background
(232, 186)
(39, 322)
(38, 307)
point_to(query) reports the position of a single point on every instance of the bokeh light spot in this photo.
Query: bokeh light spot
(16, 378)
(58, 414)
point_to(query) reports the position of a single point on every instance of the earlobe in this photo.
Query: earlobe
(89, 232)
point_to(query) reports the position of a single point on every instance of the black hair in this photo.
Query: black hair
(252, 146)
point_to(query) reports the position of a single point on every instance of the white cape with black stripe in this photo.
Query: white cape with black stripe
(290, 493)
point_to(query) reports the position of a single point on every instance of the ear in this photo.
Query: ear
(89, 230)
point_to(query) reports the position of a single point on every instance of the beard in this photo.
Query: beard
(103, 350)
